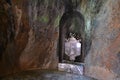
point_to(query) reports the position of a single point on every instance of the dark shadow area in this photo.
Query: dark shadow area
(9, 2)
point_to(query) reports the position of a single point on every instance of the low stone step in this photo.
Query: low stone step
(72, 68)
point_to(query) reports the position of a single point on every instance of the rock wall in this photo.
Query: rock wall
(103, 60)
(28, 35)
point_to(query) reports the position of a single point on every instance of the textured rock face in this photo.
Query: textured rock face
(28, 35)
(14, 37)
(40, 51)
(103, 60)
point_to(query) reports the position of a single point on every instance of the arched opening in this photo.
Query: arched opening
(71, 27)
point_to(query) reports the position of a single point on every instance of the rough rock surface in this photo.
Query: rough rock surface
(14, 37)
(28, 35)
(103, 59)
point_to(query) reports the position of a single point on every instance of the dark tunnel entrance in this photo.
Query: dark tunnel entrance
(9, 2)
(71, 37)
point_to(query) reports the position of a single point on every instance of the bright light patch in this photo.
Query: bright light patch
(78, 45)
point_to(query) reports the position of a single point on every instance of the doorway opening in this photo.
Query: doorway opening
(71, 37)
(71, 41)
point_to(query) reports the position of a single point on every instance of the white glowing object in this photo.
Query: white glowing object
(78, 45)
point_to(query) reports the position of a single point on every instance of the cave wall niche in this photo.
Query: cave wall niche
(76, 19)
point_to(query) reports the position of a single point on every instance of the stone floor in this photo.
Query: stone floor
(45, 75)
(72, 68)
